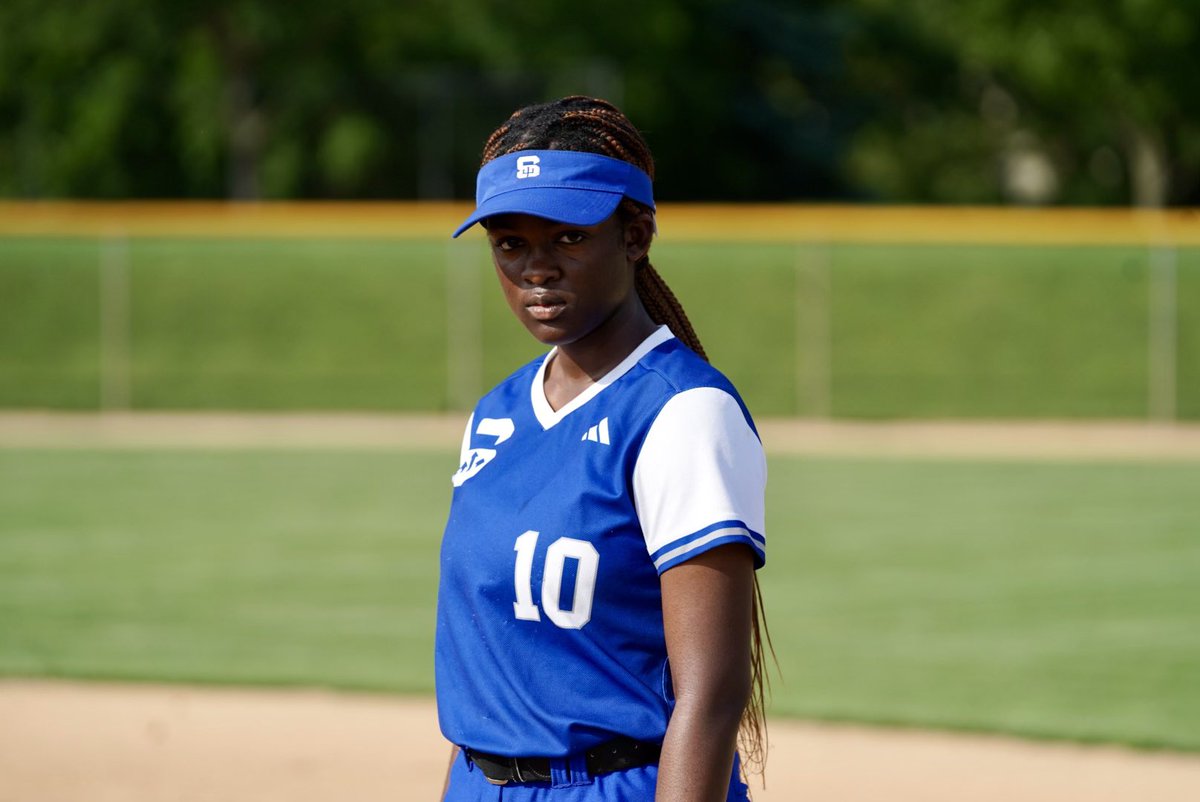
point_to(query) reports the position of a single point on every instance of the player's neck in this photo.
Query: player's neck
(578, 365)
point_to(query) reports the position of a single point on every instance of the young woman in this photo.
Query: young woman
(597, 628)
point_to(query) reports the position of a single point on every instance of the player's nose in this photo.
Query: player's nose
(540, 266)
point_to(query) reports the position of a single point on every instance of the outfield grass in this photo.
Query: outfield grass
(1045, 599)
(907, 331)
(242, 567)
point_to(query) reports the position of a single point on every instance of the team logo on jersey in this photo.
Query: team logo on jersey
(473, 460)
(527, 167)
(598, 433)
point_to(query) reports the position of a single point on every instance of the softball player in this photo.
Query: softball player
(597, 626)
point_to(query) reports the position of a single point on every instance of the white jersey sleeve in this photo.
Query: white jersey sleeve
(700, 478)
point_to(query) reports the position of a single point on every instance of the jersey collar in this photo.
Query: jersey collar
(547, 416)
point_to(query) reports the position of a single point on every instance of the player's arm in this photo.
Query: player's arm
(699, 485)
(707, 608)
(449, 768)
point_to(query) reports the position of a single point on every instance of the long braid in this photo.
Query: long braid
(596, 126)
(664, 307)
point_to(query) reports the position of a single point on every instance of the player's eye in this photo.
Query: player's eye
(571, 237)
(506, 243)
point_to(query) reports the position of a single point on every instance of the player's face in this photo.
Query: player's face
(566, 283)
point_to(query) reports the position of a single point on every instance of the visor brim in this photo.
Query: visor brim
(574, 206)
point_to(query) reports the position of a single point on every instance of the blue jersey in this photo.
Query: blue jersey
(549, 623)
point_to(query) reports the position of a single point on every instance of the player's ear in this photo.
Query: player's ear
(639, 233)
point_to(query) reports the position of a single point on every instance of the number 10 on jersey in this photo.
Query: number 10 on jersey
(587, 561)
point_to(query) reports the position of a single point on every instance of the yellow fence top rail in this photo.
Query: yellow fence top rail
(677, 222)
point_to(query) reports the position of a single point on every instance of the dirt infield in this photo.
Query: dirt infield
(1001, 440)
(62, 742)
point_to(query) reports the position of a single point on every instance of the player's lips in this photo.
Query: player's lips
(545, 305)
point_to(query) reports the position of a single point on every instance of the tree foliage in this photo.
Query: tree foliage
(924, 100)
(1094, 92)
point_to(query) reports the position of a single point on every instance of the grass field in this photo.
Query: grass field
(866, 331)
(1050, 599)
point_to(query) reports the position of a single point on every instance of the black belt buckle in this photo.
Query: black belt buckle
(497, 769)
(502, 770)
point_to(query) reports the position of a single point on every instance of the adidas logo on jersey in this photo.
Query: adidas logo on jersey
(598, 433)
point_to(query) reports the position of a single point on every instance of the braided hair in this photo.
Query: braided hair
(591, 125)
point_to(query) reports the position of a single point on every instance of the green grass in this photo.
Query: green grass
(229, 567)
(213, 324)
(49, 323)
(1052, 600)
(912, 331)
(1051, 332)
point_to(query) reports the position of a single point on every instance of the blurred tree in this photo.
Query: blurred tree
(242, 98)
(994, 100)
(78, 98)
(739, 100)
(753, 105)
(370, 98)
(926, 100)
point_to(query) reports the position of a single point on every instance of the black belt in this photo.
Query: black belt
(614, 755)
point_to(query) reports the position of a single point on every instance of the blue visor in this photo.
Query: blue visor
(566, 186)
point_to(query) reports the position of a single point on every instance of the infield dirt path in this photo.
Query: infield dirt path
(63, 742)
(970, 439)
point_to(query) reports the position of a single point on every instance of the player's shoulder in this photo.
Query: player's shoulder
(690, 386)
(680, 369)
